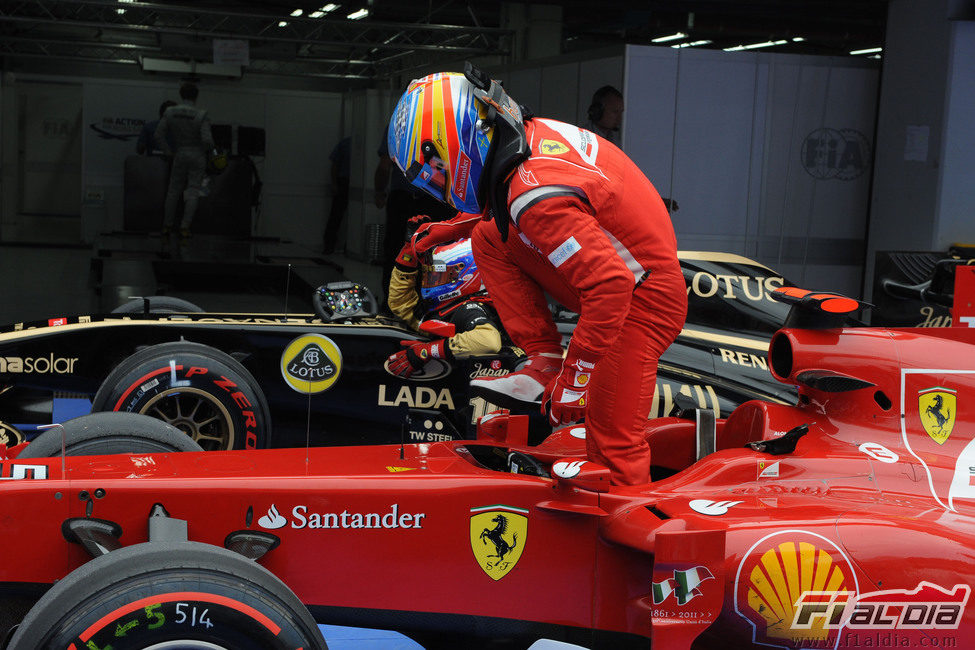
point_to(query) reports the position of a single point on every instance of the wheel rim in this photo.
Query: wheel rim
(197, 414)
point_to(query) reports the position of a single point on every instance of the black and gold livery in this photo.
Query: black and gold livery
(256, 380)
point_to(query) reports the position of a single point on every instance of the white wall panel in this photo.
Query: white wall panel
(560, 85)
(772, 155)
(649, 93)
(713, 136)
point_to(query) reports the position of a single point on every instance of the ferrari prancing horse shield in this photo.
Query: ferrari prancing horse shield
(937, 406)
(498, 535)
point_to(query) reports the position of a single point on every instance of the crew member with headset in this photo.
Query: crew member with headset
(573, 217)
(606, 114)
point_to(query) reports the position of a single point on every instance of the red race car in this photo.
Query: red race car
(843, 521)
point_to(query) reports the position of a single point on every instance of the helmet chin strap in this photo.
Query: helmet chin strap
(509, 147)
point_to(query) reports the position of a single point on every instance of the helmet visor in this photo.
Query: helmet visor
(438, 275)
(429, 177)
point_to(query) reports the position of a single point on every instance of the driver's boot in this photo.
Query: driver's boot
(522, 389)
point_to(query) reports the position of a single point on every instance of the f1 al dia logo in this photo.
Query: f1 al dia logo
(843, 154)
(311, 363)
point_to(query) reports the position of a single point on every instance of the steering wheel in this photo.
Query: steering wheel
(339, 300)
(521, 463)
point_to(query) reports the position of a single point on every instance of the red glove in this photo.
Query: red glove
(415, 355)
(406, 260)
(433, 234)
(417, 220)
(566, 396)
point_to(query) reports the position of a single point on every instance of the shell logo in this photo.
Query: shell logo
(776, 573)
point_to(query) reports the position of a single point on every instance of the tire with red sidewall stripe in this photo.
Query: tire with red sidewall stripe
(183, 594)
(198, 389)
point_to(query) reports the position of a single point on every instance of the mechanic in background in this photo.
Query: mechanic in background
(146, 144)
(605, 118)
(585, 225)
(435, 277)
(188, 128)
(605, 114)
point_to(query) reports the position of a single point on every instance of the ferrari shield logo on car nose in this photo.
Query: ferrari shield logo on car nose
(498, 535)
(311, 363)
(937, 407)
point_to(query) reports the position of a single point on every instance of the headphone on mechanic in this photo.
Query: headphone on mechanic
(595, 110)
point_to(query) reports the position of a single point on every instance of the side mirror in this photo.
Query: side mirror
(582, 474)
(503, 427)
(440, 328)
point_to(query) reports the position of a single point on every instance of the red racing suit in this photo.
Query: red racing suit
(589, 229)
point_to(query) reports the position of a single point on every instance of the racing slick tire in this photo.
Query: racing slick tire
(203, 392)
(183, 595)
(109, 433)
(158, 305)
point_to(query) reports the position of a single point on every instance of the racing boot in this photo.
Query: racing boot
(523, 389)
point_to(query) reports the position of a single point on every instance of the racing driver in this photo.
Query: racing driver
(439, 259)
(573, 217)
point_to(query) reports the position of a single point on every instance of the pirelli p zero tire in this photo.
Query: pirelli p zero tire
(109, 433)
(182, 595)
(203, 392)
(158, 305)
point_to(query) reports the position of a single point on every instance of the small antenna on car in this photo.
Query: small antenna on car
(308, 427)
(402, 434)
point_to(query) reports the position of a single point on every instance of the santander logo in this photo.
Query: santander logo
(273, 519)
(460, 178)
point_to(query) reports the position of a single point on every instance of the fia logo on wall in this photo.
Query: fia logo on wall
(843, 154)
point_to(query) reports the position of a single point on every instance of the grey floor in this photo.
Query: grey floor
(42, 281)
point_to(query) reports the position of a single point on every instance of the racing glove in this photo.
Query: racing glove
(565, 398)
(415, 354)
(432, 234)
(407, 259)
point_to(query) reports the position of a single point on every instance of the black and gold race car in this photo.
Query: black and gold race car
(244, 381)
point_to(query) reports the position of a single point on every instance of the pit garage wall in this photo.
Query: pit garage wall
(767, 155)
(301, 129)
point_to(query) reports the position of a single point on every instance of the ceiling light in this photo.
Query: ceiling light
(331, 6)
(296, 13)
(691, 44)
(283, 23)
(316, 14)
(869, 50)
(672, 37)
(356, 15)
(755, 46)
